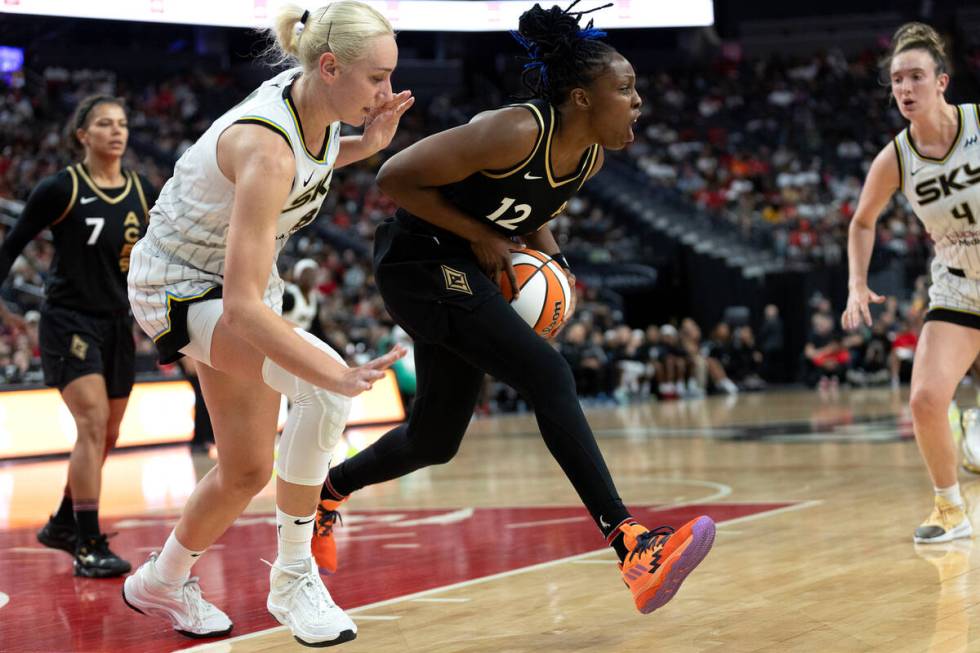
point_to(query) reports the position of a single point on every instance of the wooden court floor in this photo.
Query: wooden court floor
(816, 498)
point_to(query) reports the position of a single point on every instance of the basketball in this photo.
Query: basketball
(545, 292)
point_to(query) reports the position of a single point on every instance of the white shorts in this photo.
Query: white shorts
(954, 298)
(162, 290)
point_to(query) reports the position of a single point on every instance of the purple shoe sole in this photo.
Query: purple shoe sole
(703, 536)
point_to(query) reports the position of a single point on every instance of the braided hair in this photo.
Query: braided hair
(561, 55)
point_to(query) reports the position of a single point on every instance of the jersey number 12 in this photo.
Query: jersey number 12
(497, 217)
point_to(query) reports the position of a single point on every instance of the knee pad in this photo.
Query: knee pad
(316, 421)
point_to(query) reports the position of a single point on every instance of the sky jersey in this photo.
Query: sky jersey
(519, 200)
(944, 193)
(183, 256)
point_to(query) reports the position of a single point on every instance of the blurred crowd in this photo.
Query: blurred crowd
(777, 147)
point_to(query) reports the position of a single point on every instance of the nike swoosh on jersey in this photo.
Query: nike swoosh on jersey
(530, 177)
(309, 178)
(87, 200)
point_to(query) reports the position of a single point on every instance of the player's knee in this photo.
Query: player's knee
(926, 400)
(548, 376)
(90, 423)
(246, 480)
(437, 453)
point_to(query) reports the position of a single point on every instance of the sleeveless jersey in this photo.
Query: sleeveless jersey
(944, 192)
(188, 230)
(518, 201)
(92, 240)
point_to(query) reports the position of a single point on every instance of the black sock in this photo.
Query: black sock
(87, 521)
(327, 492)
(66, 513)
(619, 545)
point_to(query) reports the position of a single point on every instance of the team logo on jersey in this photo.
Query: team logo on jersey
(456, 280)
(947, 183)
(79, 348)
(970, 141)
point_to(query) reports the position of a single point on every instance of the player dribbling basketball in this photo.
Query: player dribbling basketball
(464, 194)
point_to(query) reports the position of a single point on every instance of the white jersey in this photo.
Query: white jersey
(182, 257)
(944, 193)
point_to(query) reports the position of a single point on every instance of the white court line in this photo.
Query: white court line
(528, 524)
(604, 561)
(376, 617)
(402, 545)
(770, 513)
(437, 600)
(4, 599)
(225, 645)
(32, 549)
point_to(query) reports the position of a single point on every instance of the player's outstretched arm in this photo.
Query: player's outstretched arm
(880, 185)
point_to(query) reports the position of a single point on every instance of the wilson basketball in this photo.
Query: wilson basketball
(545, 293)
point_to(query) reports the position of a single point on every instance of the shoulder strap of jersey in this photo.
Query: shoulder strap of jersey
(593, 157)
(542, 130)
(903, 153)
(142, 196)
(71, 200)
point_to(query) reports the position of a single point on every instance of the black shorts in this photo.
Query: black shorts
(421, 270)
(75, 344)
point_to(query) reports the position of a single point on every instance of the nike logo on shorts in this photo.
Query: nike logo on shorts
(530, 177)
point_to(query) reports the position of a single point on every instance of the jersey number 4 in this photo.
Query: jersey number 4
(97, 224)
(522, 212)
(964, 212)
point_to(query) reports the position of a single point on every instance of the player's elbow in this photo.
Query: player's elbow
(238, 313)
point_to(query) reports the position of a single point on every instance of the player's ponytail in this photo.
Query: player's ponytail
(343, 28)
(561, 54)
(917, 36)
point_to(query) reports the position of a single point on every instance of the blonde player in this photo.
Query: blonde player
(203, 283)
(935, 163)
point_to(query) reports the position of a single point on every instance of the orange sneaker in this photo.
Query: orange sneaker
(324, 545)
(659, 560)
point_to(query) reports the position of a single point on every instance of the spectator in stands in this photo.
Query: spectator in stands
(827, 358)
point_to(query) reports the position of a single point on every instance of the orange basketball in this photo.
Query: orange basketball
(545, 292)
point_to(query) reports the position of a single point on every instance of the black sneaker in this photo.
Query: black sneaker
(93, 559)
(58, 536)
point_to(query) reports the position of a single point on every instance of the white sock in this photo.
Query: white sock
(951, 494)
(294, 538)
(175, 561)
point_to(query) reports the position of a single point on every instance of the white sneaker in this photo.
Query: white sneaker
(182, 603)
(970, 444)
(298, 599)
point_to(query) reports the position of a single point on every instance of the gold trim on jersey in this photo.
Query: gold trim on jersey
(588, 171)
(547, 157)
(952, 148)
(139, 191)
(287, 97)
(495, 174)
(98, 191)
(74, 196)
(276, 127)
(901, 168)
(954, 310)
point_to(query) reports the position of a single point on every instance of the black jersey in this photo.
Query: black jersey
(518, 201)
(93, 229)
